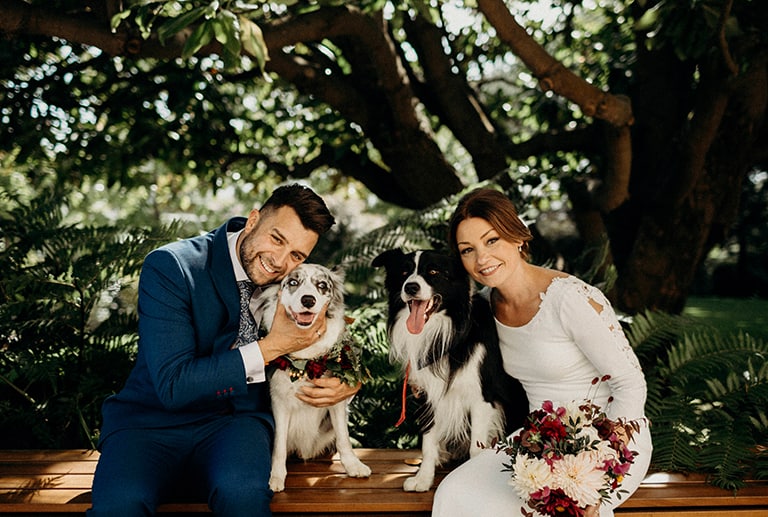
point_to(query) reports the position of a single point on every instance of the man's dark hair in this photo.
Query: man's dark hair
(310, 207)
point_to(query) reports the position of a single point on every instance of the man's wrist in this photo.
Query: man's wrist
(253, 362)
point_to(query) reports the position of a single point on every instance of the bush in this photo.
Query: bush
(67, 320)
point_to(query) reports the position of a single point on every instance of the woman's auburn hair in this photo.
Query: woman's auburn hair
(496, 208)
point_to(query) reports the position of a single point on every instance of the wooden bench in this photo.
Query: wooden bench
(57, 482)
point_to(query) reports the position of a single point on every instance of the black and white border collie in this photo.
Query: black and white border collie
(446, 338)
(299, 427)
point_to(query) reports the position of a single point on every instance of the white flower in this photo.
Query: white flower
(574, 414)
(604, 451)
(588, 432)
(579, 478)
(530, 475)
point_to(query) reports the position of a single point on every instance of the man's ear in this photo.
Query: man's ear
(253, 219)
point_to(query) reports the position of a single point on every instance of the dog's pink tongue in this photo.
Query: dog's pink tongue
(416, 320)
(303, 318)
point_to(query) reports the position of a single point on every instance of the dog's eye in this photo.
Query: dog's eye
(433, 272)
(293, 282)
(322, 286)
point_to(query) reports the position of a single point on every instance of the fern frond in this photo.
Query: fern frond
(652, 333)
(700, 356)
(728, 451)
(674, 440)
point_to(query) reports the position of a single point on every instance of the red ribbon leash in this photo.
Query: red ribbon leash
(405, 391)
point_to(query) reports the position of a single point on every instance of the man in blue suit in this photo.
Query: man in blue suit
(196, 404)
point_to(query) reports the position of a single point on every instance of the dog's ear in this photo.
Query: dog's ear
(387, 257)
(339, 273)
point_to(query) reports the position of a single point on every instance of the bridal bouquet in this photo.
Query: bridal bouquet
(568, 458)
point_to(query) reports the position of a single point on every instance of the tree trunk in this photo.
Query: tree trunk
(697, 185)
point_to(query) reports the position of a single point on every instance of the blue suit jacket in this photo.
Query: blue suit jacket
(189, 315)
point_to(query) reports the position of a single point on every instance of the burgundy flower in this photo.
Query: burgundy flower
(555, 502)
(552, 429)
(281, 362)
(315, 369)
(537, 416)
(604, 426)
(525, 441)
(344, 361)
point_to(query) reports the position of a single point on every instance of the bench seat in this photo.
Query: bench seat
(57, 482)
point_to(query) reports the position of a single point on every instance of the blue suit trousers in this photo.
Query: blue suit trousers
(224, 460)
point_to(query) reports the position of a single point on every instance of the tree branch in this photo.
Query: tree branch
(552, 75)
(449, 95)
(18, 17)
(723, 42)
(385, 104)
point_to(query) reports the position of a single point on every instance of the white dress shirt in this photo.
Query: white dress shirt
(255, 368)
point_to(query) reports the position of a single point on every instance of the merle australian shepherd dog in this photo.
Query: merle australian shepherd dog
(299, 427)
(445, 337)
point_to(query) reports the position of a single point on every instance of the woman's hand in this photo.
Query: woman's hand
(592, 511)
(327, 391)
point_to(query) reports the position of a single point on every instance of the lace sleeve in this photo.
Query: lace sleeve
(590, 320)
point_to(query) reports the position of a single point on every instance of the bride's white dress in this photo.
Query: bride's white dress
(556, 356)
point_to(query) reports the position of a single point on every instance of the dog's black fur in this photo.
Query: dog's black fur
(454, 356)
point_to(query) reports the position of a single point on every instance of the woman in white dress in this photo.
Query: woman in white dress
(556, 334)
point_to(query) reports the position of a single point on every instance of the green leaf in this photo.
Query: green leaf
(253, 42)
(117, 19)
(227, 30)
(200, 37)
(174, 25)
(648, 20)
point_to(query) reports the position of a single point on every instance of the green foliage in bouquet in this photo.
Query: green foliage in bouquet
(67, 320)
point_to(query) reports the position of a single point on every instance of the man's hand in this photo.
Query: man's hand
(327, 391)
(285, 336)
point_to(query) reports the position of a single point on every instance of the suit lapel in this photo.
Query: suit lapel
(222, 273)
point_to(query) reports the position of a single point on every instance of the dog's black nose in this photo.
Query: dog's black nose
(308, 301)
(411, 288)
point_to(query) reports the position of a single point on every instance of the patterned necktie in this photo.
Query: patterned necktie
(248, 329)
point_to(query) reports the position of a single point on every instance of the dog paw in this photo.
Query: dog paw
(358, 470)
(276, 483)
(417, 484)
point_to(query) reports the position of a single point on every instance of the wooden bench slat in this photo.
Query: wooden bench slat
(58, 482)
(48, 455)
(46, 469)
(40, 482)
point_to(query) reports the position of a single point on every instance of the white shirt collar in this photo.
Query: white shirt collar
(237, 268)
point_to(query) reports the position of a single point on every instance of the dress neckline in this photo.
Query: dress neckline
(542, 298)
